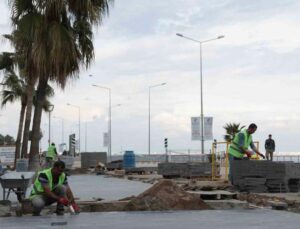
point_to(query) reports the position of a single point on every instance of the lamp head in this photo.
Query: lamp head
(179, 34)
(50, 107)
(220, 37)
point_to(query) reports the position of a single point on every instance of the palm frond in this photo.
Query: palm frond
(231, 130)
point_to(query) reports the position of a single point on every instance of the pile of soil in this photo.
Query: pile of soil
(166, 195)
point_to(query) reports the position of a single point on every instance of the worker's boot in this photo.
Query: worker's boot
(59, 209)
(60, 191)
(36, 214)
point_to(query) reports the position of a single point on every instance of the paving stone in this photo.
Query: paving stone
(279, 176)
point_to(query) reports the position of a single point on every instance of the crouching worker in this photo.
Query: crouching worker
(51, 186)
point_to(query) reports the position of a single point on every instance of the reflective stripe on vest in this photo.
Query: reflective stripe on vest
(51, 152)
(37, 186)
(234, 148)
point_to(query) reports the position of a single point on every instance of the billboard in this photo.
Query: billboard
(196, 128)
(7, 155)
(105, 139)
(72, 143)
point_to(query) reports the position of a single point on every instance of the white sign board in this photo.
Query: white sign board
(208, 128)
(62, 147)
(196, 135)
(196, 128)
(105, 139)
(7, 155)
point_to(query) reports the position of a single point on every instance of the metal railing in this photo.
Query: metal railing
(294, 158)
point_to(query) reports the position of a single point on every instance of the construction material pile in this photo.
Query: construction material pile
(266, 176)
(166, 195)
(186, 170)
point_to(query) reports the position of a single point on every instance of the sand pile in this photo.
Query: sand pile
(165, 195)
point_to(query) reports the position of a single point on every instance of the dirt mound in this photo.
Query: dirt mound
(165, 195)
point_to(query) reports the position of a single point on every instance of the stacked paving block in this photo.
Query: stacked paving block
(91, 159)
(266, 176)
(253, 184)
(276, 185)
(172, 170)
(185, 170)
(195, 169)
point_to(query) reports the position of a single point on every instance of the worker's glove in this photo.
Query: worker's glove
(63, 201)
(76, 208)
(248, 154)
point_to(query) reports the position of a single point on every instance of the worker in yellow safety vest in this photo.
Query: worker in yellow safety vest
(50, 186)
(51, 155)
(239, 147)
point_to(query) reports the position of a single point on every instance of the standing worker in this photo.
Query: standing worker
(239, 146)
(51, 155)
(51, 186)
(270, 147)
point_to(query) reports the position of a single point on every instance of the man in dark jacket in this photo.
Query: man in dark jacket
(270, 148)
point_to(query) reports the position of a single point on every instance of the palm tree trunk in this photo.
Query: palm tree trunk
(29, 93)
(34, 161)
(20, 130)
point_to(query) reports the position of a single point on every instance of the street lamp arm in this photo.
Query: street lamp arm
(189, 38)
(217, 38)
(201, 42)
(95, 85)
(73, 105)
(157, 85)
(117, 105)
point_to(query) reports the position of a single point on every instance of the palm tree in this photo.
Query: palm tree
(13, 90)
(58, 44)
(25, 20)
(56, 39)
(231, 130)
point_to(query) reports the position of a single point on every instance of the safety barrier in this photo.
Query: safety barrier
(221, 157)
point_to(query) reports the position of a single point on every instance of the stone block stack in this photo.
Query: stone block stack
(266, 176)
(91, 159)
(185, 170)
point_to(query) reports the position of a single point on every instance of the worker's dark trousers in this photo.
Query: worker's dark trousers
(269, 155)
(49, 161)
(231, 159)
(40, 201)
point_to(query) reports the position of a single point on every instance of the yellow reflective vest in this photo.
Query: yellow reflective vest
(51, 152)
(37, 186)
(234, 148)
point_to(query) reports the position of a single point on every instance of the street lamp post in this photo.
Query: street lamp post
(62, 128)
(109, 117)
(149, 115)
(79, 138)
(85, 137)
(50, 109)
(201, 89)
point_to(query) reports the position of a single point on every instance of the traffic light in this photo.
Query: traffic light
(73, 140)
(72, 143)
(166, 143)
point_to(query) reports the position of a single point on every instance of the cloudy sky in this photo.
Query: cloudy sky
(252, 75)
